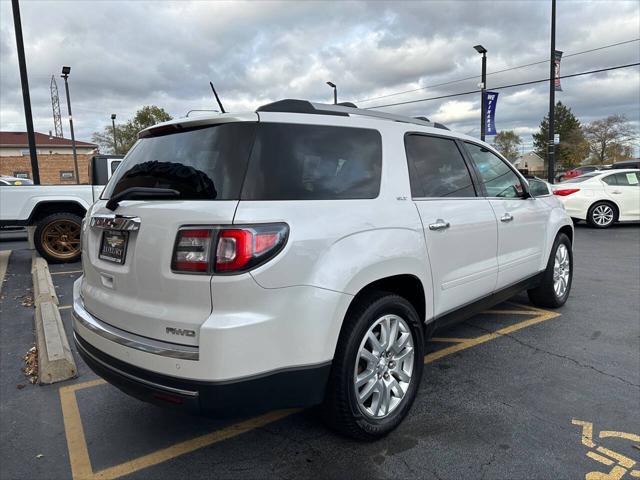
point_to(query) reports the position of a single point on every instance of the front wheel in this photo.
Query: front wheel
(377, 368)
(555, 286)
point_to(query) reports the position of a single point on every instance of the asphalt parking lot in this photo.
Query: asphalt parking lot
(516, 392)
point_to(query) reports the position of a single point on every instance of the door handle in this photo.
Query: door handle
(617, 192)
(439, 225)
(507, 217)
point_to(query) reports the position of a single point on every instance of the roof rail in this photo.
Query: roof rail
(305, 106)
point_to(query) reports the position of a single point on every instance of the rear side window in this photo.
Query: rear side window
(622, 179)
(313, 162)
(437, 168)
(202, 164)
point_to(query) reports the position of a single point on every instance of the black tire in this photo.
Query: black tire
(591, 214)
(340, 409)
(67, 248)
(544, 295)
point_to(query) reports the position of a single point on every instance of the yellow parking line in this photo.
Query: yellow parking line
(65, 307)
(78, 450)
(627, 436)
(509, 312)
(448, 340)
(64, 272)
(191, 445)
(76, 443)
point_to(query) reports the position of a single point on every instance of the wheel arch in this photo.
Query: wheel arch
(615, 206)
(47, 207)
(408, 286)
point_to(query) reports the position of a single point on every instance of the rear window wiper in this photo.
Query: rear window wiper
(140, 193)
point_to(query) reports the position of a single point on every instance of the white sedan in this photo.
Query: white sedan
(602, 197)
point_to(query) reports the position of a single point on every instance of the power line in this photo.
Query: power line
(505, 86)
(496, 72)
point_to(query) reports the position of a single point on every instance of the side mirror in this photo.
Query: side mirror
(524, 191)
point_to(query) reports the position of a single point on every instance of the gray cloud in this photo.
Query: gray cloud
(125, 55)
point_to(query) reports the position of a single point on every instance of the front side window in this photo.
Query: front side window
(437, 168)
(313, 162)
(499, 180)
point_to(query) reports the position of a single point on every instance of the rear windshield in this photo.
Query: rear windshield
(202, 164)
(281, 161)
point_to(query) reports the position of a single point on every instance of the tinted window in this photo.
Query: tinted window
(626, 179)
(205, 163)
(313, 162)
(436, 168)
(497, 177)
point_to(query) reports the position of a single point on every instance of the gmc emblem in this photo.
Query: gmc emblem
(180, 331)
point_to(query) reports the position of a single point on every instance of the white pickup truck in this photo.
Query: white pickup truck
(56, 210)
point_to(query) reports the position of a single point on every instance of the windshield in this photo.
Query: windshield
(206, 163)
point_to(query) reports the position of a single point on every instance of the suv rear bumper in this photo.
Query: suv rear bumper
(298, 387)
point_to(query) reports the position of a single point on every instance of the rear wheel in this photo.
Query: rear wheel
(377, 368)
(602, 215)
(555, 286)
(57, 237)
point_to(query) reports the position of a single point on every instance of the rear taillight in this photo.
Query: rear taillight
(563, 192)
(237, 249)
(192, 252)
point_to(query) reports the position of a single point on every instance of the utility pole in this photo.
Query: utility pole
(483, 89)
(551, 160)
(113, 124)
(335, 92)
(65, 75)
(26, 99)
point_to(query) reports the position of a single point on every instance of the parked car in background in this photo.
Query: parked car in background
(602, 198)
(14, 181)
(576, 172)
(303, 254)
(55, 210)
(626, 164)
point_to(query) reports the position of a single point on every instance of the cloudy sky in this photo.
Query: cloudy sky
(127, 54)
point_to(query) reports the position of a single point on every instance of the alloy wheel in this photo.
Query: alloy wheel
(603, 215)
(384, 366)
(561, 271)
(61, 239)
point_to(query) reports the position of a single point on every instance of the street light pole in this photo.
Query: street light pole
(113, 123)
(551, 154)
(26, 98)
(335, 92)
(65, 75)
(483, 107)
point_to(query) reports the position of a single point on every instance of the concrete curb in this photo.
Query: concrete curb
(55, 360)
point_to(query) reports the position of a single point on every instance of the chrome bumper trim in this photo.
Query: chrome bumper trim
(131, 340)
(158, 386)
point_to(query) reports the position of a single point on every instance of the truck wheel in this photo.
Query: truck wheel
(555, 286)
(57, 237)
(376, 369)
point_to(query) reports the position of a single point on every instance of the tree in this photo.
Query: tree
(127, 133)
(507, 143)
(573, 147)
(608, 139)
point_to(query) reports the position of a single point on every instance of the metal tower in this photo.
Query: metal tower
(55, 104)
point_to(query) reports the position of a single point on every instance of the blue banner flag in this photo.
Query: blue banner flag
(490, 101)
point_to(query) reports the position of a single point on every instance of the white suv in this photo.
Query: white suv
(303, 254)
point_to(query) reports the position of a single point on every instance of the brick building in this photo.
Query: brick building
(55, 157)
